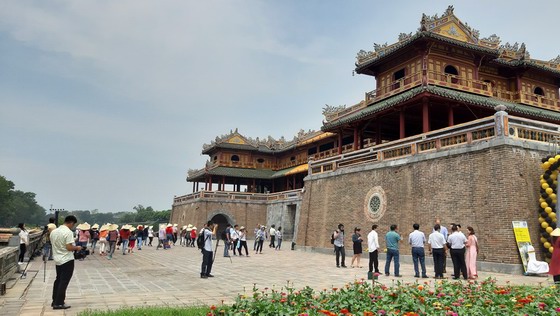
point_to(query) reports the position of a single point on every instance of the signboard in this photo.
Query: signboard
(523, 239)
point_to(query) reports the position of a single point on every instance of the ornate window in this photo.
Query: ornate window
(539, 91)
(397, 75)
(293, 158)
(375, 204)
(451, 70)
(260, 160)
(234, 158)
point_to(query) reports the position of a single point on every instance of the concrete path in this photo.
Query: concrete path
(171, 277)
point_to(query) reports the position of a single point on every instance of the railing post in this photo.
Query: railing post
(501, 120)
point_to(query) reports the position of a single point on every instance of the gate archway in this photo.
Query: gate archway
(221, 220)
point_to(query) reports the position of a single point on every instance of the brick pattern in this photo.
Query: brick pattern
(483, 189)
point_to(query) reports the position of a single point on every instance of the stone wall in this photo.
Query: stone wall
(485, 186)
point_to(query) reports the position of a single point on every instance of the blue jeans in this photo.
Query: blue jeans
(124, 245)
(47, 251)
(418, 254)
(139, 243)
(226, 248)
(392, 254)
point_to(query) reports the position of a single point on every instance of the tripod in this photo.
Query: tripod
(216, 250)
(41, 242)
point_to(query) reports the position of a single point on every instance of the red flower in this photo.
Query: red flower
(344, 311)
(212, 307)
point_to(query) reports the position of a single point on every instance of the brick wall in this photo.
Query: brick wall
(485, 188)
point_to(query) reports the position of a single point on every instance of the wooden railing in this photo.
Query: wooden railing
(395, 87)
(506, 95)
(467, 133)
(531, 130)
(239, 196)
(540, 101)
(458, 82)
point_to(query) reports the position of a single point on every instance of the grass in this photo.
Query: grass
(146, 311)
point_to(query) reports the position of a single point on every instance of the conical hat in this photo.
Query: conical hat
(104, 227)
(127, 226)
(113, 227)
(95, 226)
(132, 229)
(190, 226)
(555, 233)
(84, 226)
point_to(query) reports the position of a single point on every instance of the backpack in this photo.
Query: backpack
(332, 239)
(200, 240)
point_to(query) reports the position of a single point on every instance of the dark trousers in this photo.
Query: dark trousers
(373, 261)
(243, 244)
(63, 275)
(418, 255)
(459, 265)
(206, 262)
(272, 242)
(259, 245)
(22, 251)
(234, 246)
(556, 278)
(340, 251)
(439, 259)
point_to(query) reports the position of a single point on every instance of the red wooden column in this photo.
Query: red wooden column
(425, 116)
(450, 121)
(197, 183)
(206, 183)
(294, 182)
(210, 184)
(402, 128)
(273, 189)
(223, 183)
(356, 140)
(193, 187)
(253, 188)
(340, 141)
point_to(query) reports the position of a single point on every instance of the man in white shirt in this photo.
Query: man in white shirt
(457, 241)
(417, 239)
(234, 235)
(445, 233)
(207, 252)
(272, 234)
(373, 249)
(62, 241)
(436, 246)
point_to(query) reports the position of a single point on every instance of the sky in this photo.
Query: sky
(106, 104)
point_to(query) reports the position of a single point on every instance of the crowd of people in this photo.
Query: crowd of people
(462, 248)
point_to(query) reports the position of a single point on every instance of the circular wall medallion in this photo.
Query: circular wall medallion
(375, 203)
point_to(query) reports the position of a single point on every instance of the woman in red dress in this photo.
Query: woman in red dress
(554, 268)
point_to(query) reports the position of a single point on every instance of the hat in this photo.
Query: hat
(190, 226)
(95, 226)
(555, 233)
(169, 225)
(161, 226)
(189, 229)
(140, 227)
(150, 227)
(184, 227)
(84, 226)
(175, 225)
(127, 226)
(132, 229)
(104, 227)
(112, 227)
(242, 227)
(194, 228)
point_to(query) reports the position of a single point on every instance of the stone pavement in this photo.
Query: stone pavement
(171, 277)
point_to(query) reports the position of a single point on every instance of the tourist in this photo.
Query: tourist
(23, 241)
(168, 236)
(472, 252)
(373, 249)
(193, 236)
(47, 248)
(456, 241)
(445, 233)
(279, 237)
(183, 241)
(436, 246)
(554, 268)
(139, 236)
(145, 234)
(150, 235)
(103, 233)
(62, 240)
(132, 240)
(125, 236)
(226, 237)
(94, 234)
(261, 236)
(356, 247)
(392, 239)
(338, 237)
(256, 232)
(112, 237)
(175, 231)
(272, 234)
(83, 234)
(234, 235)
(161, 237)
(417, 240)
(242, 243)
(207, 251)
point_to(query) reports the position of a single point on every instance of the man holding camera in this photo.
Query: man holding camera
(62, 241)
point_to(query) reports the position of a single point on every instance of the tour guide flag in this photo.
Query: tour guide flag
(523, 239)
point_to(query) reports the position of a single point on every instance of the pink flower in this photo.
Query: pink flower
(381, 312)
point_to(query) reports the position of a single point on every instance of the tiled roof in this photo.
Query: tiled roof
(248, 173)
(447, 93)
(526, 63)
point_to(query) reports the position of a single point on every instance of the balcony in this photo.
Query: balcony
(459, 83)
(528, 98)
(238, 196)
(395, 87)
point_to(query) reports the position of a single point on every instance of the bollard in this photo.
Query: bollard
(293, 245)
(3, 288)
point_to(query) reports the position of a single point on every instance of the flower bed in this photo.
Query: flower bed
(429, 298)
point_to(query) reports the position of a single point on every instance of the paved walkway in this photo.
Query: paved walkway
(171, 277)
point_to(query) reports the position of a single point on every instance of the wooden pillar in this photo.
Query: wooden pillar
(450, 121)
(197, 183)
(425, 116)
(402, 131)
(356, 143)
(254, 187)
(340, 141)
(206, 183)
(294, 182)
(210, 184)
(223, 183)
(477, 61)
(377, 133)
(273, 188)
(193, 187)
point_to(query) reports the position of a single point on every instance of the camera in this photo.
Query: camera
(81, 254)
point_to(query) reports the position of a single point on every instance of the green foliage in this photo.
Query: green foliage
(159, 311)
(18, 206)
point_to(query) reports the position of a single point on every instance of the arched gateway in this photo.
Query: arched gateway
(221, 220)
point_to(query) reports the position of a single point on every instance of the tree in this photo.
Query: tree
(18, 206)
